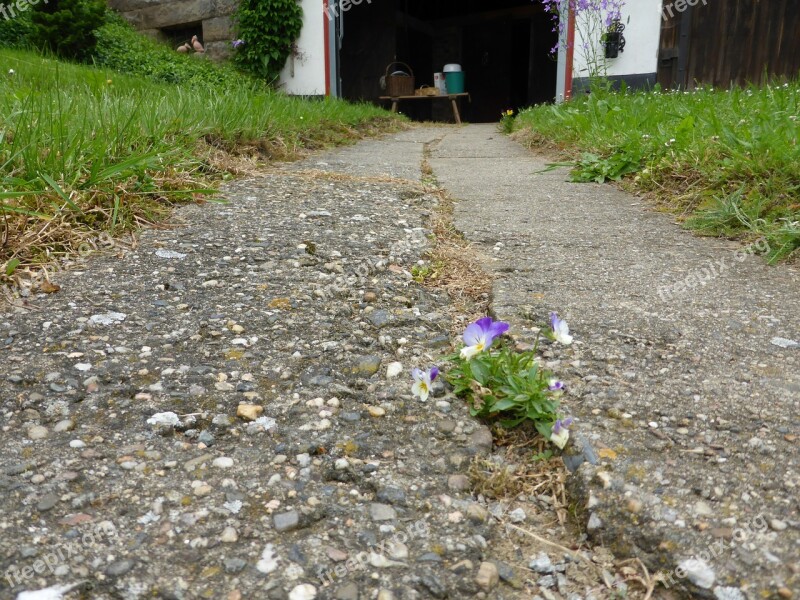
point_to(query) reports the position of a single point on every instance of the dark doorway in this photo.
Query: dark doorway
(489, 61)
(503, 47)
(182, 34)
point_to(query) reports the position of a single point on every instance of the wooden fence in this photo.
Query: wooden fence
(724, 42)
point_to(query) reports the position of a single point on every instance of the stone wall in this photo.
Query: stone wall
(210, 20)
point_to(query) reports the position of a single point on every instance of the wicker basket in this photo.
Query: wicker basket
(399, 83)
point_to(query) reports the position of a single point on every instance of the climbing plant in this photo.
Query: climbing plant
(268, 30)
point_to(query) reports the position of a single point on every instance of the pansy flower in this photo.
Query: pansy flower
(480, 335)
(560, 330)
(423, 381)
(560, 434)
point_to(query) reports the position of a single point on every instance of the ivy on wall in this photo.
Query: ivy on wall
(267, 30)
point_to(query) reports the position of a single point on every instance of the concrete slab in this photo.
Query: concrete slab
(676, 376)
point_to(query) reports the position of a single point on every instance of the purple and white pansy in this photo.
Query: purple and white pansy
(481, 335)
(560, 434)
(560, 330)
(423, 381)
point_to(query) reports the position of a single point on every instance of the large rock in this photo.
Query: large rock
(174, 13)
(129, 5)
(217, 29)
(219, 50)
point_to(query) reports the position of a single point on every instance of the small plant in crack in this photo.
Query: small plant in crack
(505, 385)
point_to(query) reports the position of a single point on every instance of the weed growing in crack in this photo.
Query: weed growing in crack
(505, 385)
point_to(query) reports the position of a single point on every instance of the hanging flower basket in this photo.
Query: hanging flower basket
(614, 40)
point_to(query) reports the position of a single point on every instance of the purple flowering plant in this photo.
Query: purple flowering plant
(502, 384)
(593, 19)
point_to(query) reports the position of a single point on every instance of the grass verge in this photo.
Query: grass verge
(727, 162)
(85, 150)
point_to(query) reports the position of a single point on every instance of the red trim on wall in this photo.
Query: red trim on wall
(570, 54)
(326, 23)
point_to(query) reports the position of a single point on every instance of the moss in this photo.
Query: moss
(636, 473)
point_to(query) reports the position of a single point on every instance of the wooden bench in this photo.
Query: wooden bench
(452, 97)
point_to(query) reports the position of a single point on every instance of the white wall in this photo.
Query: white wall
(642, 34)
(305, 74)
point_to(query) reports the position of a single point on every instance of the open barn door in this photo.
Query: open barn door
(504, 47)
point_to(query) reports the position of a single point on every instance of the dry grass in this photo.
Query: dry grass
(456, 263)
(519, 473)
(315, 175)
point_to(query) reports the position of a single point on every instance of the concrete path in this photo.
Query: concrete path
(225, 412)
(684, 376)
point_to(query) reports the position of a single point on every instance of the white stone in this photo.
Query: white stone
(394, 369)
(517, 516)
(37, 432)
(108, 318)
(379, 561)
(728, 593)
(264, 423)
(699, 572)
(56, 592)
(397, 550)
(703, 509)
(784, 343)
(304, 591)
(229, 535)
(161, 253)
(223, 462)
(165, 419)
(269, 560)
(777, 525)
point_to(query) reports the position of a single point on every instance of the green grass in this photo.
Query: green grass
(120, 48)
(728, 162)
(86, 150)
